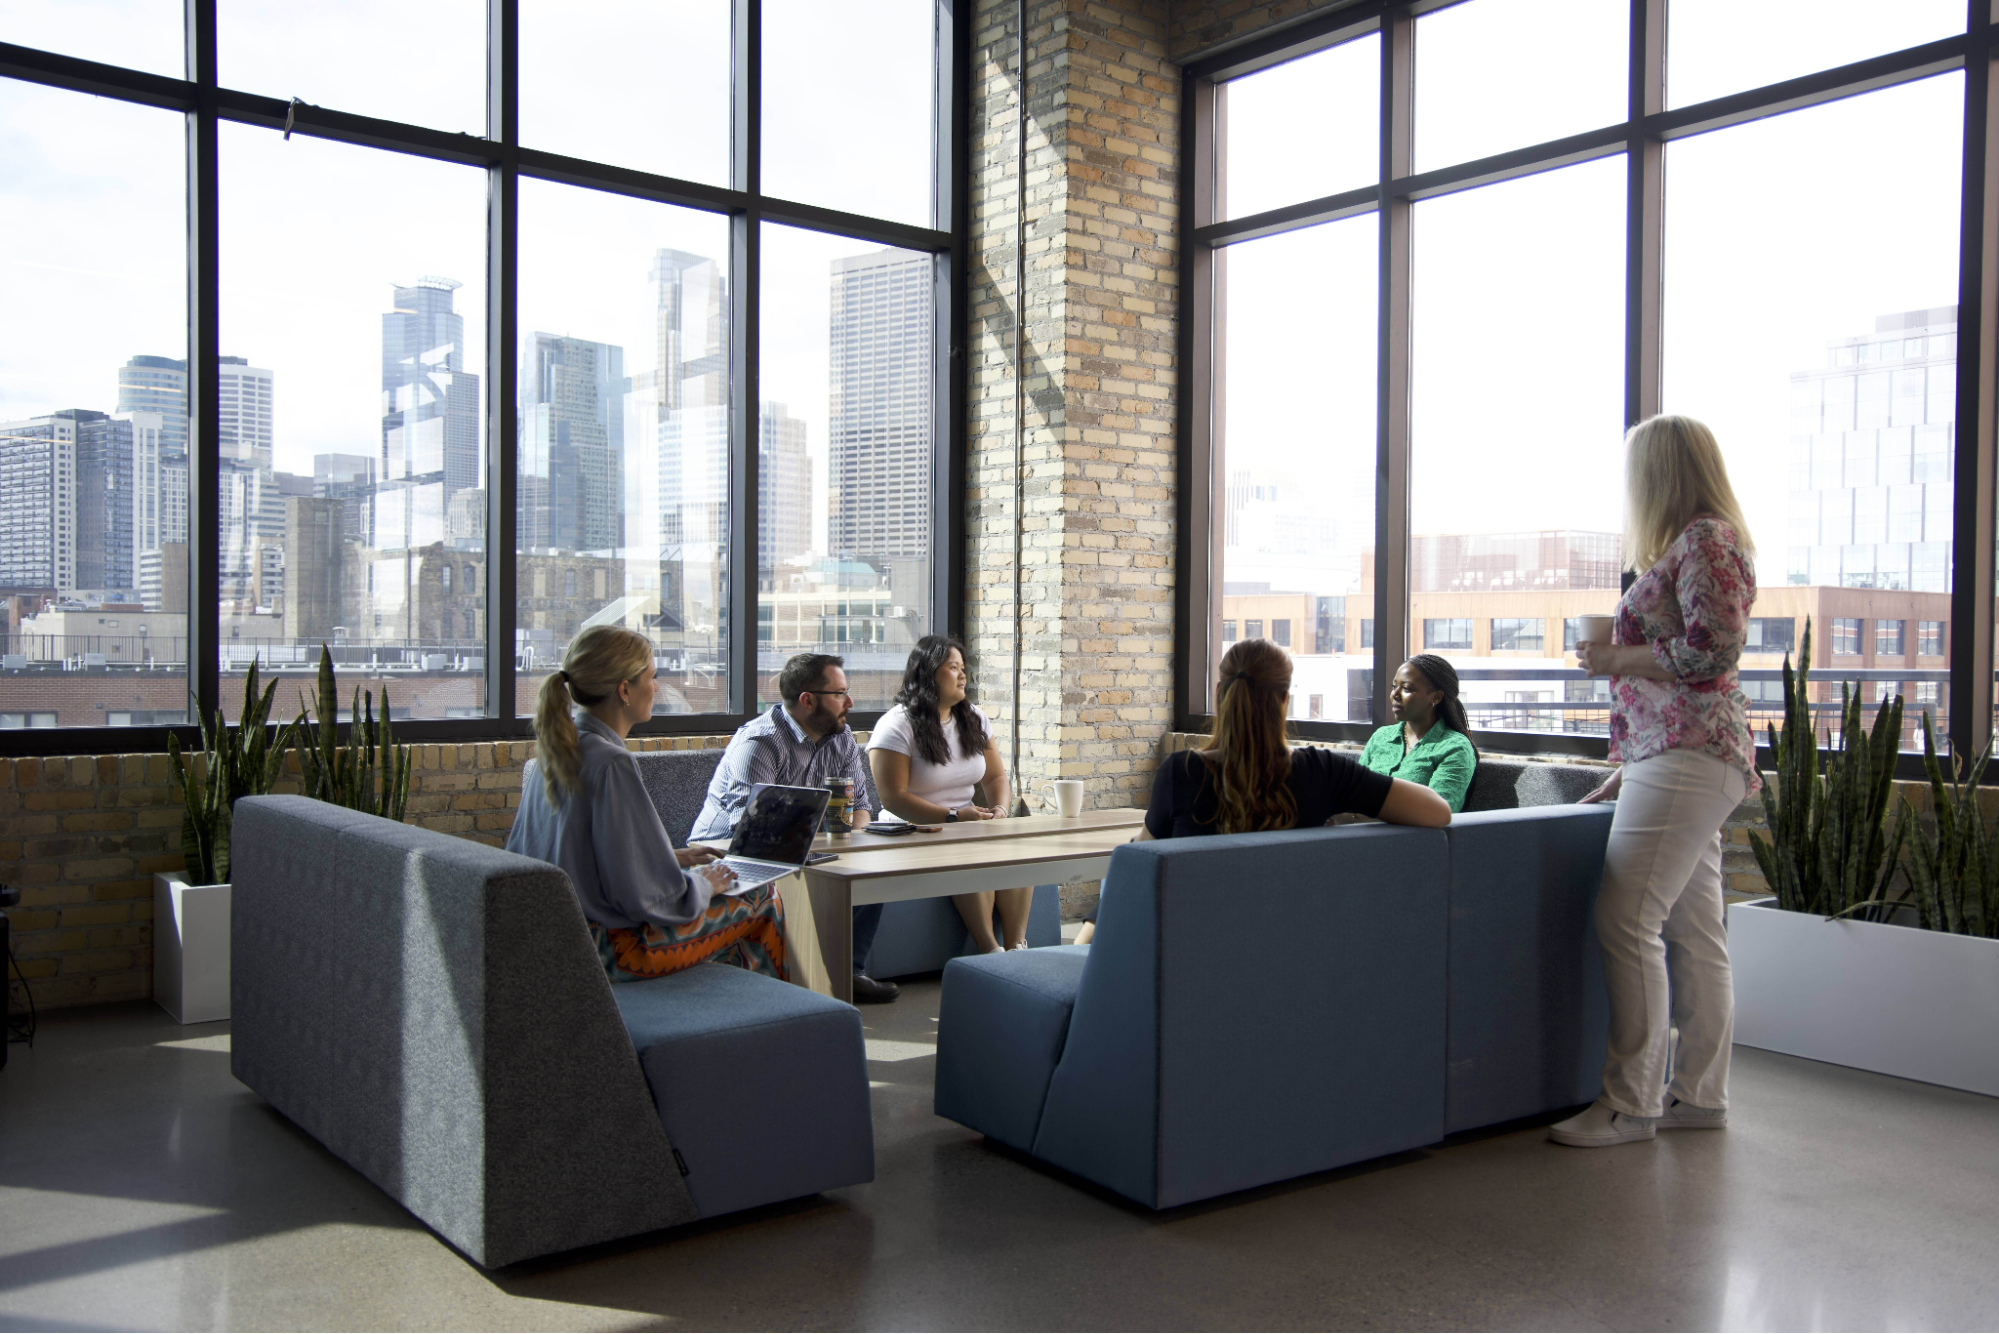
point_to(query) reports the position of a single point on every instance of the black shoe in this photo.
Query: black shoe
(867, 991)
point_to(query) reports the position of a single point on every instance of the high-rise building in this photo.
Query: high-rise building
(158, 384)
(1873, 435)
(250, 510)
(430, 425)
(784, 492)
(571, 476)
(66, 503)
(349, 479)
(880, 447)
(677, 491)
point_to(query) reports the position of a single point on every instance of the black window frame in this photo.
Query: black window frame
(1641, 138)
(205, 103)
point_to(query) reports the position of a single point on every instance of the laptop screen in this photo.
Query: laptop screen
(778, 823)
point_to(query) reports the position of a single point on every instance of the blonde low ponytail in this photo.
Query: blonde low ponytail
(598, 661)
(556, 743)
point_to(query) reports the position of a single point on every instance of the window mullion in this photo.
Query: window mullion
(502, 359)
(204, 546)
(1645, 214)
(1972, 583)
(1391, 481)
(745, 257)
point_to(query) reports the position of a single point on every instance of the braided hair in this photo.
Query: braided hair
(1444, 678)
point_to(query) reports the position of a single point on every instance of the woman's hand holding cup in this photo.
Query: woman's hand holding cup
(1594, 651)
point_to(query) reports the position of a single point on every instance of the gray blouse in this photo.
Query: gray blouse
(608, 838)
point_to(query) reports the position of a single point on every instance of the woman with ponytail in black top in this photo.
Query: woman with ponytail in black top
(1430, 740)
(1248, 778)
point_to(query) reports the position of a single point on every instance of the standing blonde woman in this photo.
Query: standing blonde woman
(1680, 726)
(652, 910)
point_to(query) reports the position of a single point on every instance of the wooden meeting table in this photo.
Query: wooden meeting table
(960, 858)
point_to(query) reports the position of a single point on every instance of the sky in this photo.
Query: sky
(315, 234)
(1775, 243)
(1781, 235)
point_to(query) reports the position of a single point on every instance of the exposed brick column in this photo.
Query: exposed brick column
(1099, 311)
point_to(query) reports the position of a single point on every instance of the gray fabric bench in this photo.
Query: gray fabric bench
(432, 1011)
(919, 936)
(1503, 785)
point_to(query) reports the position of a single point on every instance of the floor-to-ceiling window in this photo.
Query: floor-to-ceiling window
(435, 332)
(1579, 214)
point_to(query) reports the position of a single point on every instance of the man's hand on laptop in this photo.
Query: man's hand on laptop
(689, 858)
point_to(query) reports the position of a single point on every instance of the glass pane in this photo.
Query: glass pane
(420, 61)
(1297, 470)
(1717, 47)
(139, 34)
(1493, 75)
(93, 467)
(593, 86)
(622, 497)
(1516, 418)
(1799, 310)
(848, 98)
(1301, 130)
(846, 458)
(353, 505)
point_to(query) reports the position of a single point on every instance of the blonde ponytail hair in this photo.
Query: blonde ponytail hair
(1673, 472)
(598, 660)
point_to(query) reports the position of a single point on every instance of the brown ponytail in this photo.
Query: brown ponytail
(1252, 754)
(598, 660)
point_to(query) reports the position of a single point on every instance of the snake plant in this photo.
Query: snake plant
(1953, 864)
(236, 762)
(371, 772)
(1829, 851)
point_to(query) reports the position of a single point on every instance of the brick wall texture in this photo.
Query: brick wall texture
(1097, 309)
(83, 835)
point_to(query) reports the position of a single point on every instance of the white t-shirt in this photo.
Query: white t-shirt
(946, 784)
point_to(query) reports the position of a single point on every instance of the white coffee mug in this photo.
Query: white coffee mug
(1595, 629)
(1068, 796)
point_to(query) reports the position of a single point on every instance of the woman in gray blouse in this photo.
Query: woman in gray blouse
(652, 910)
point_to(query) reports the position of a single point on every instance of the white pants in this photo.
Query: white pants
(1659, 916)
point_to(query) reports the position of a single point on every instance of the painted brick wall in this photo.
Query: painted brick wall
(83, 835)
(1098, 308)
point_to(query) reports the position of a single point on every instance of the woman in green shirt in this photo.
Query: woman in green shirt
(1429, 741)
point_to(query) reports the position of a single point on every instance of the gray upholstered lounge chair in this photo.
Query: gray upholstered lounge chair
(432, 1011)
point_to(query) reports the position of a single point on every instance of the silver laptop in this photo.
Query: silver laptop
(774, 837)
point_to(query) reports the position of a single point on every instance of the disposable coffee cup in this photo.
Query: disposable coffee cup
(1067, 798)
(1595, 629)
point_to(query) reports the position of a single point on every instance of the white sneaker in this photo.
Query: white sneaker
(1685, 1116)
(1021, 946)
(1600, 1127)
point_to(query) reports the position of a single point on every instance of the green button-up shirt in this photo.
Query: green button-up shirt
(1442, 761)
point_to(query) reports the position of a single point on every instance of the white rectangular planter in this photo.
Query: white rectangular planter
(1897, 1000)
(190, 949)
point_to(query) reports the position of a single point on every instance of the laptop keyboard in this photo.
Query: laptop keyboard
(751, 872)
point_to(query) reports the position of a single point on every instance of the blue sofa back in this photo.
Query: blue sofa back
(1255, 1007)
(1258, 1007)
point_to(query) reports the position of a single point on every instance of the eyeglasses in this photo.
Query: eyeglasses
(848, 693)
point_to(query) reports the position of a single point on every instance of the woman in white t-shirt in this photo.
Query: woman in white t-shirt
(933, 755)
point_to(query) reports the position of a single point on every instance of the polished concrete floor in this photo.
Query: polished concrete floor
(141, 1187)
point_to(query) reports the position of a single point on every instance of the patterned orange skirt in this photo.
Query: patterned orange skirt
(745, 930)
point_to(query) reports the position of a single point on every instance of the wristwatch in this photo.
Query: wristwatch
(951, 815)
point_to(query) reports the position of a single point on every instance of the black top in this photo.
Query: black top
(1323, 783)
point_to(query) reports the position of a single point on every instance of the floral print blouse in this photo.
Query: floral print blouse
(1692, 610)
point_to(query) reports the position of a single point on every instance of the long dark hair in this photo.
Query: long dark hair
(1252, 753)
(919, 700)
(1450, 709)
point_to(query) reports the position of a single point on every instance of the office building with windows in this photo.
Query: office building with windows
(572, 452)
(879, 453)
(430, 425)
